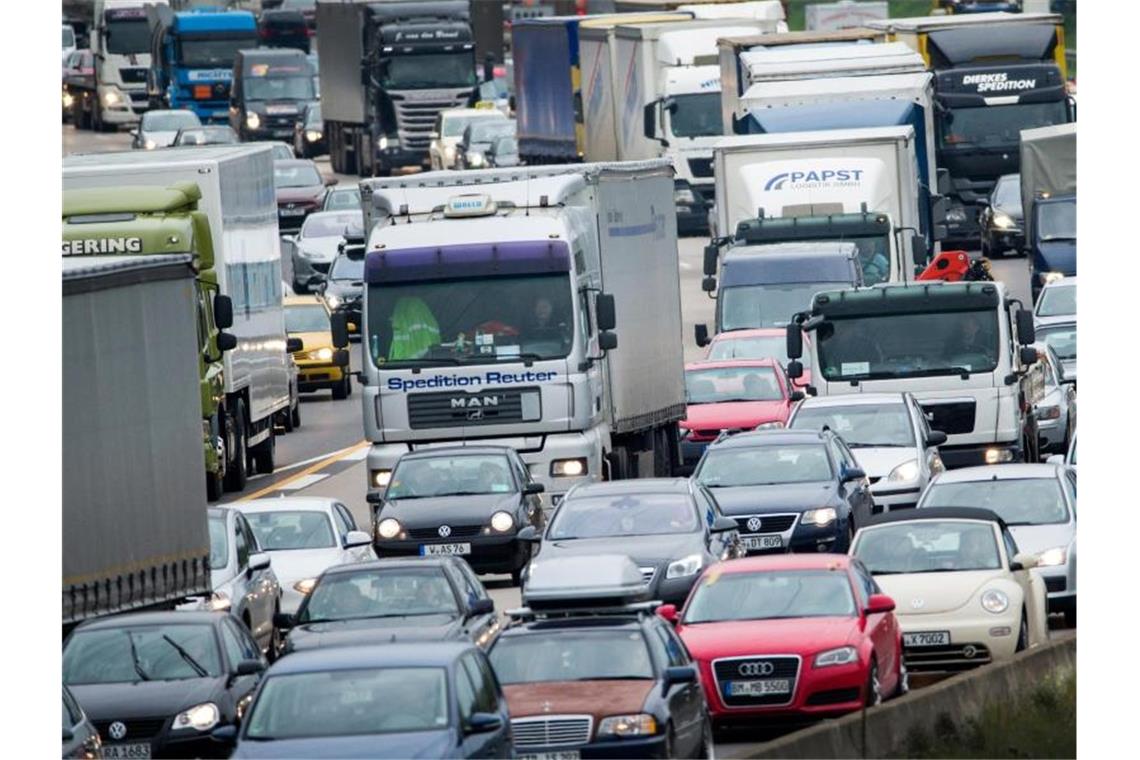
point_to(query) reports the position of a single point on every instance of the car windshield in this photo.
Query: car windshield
(1018, 501)
(349, 702)
(129, 36)
(213, 52)
(219, 543)
(171, 121)
(303, 175)
(450, 476)
(346, 268)
(745, 306)
(480, 320)
(292, 529)
(430, 70)
(771, 596)
(279, 88)
(928, 546)
(330, 225)
(908, 345)
(721, 384)
(729, 346)
(572, 656)
(696, 115)
(282, 152)
(997, 125)
(860, 425)
(1007, 194)
(68, 37)
(223, 136)
(380, 593)
(303, 318)
(1062, 338)
(343, 198)
(133, 653)
(1058, 301)
(483, 131)
(631, 514)
(1057, 220)
(764, 465)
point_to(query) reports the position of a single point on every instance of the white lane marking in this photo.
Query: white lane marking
(304, 482)
(318, 458)
(685, 265)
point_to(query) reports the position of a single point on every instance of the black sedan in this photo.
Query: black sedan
(1002, 220)
(789, 490)
(428, 599)
(155, 684)
(395, 700)
(672, 528)
(309, 133)
(343, 286)
(470, 501)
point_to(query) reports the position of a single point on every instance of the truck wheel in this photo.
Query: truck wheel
(295, 415)
(340, 390)
(287, 420)
(236, 470)
(265, 453)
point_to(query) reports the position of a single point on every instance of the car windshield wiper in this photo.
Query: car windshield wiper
(401, 363)
(614, 678)
(186, 656)
(135, 658)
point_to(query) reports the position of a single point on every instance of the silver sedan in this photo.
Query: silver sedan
(1056, 412)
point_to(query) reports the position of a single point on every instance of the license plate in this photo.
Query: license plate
(569, 754)
(759, 688)
(763, 542)
(126, 751)
(927, 639)
(292, 211)
(222, 113)
(432, 550)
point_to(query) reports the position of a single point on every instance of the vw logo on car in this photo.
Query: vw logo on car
(755, 668)
(754, 524)
(444, 531)
(117, 730)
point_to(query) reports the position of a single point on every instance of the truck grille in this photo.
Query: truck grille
(953, 657)
(701, 167)
(552, 730)
(768, 523)
(416, 118)
(952, 418)
(460, 409)
(133, 75)
(760, 667)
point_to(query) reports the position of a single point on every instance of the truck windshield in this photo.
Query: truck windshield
(746, 306)
(480, 321)
(998, 125)
(215, 52)
(417, 72)
(908, 345)
(696, 115)
(279, 88)
(127, 37)
(68, 37)
(1057, 220)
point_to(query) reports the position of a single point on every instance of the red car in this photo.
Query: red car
(732, 395)
(758, 343)
(791, 635)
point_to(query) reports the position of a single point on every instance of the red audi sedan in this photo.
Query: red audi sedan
(808, 635)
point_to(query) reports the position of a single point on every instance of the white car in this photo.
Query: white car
(316, 244)
(1056, 412)
(158, 128)
(965, 594)
(449, 126)
(1038, 503)
(889, 436)
(305, 536)
(1057, 302)
(1068, 458)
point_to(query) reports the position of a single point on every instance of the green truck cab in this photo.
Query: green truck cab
(153, 221)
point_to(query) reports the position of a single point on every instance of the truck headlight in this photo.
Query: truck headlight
(252, 120)
(333, 301)
(995, 601)
(389, 527)
(313, 135)
(305, 586)
(382, 143)
(840, 656)
(641, 724)
(112, 98)
(475, 159)
(380, 478)
(904, 473)
(819, 517)
(568, 468)
(1052, 557)
(684, 567)
(68, 100)
(998, 456)
(201, 717)
(502, 521)
(150, 144)
(1003, 221)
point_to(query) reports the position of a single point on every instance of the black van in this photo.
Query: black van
(270, 88)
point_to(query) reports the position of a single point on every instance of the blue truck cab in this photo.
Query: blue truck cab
(192, 58)
(1053, 240)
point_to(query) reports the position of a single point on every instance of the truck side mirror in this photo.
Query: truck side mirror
(712, 258)
(605, 312)
(918, 250)
(1026, 331)
(795, 343)
(708, 284)
(339, 325)
(649, 120)
(226, 342)
(1028, 355)
(223, 311)
(607, 341)
(701, 333)
(340, 357)
(944, 183)
(795, 369)
(938, 206)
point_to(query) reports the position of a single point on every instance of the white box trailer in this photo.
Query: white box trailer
(1048, 165)
(844, 14)
(239, 198)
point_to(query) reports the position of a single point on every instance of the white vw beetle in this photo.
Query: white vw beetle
(964, 592)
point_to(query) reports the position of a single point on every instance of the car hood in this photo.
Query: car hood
(320, 248)
(1016, 213)
(447, 510)
(410, 744)
(294, 565)
(645, 550)
(300, 194)
(733, 414)
(161, 139)
(145, 699)
(344, 288)
(386, 630)
(597, 698)
(708, 641)
(1034, 539)
(918, 594)
(783, 497)
(878, 461)
(1059, 255)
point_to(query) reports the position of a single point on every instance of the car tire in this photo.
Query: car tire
(340, 390)
(903, 686)
(295, 415)
(237, 472)
(1071, 616)
(1022, 633)
(264, 454)
(874, 694)
(276, 642)
(706, 749)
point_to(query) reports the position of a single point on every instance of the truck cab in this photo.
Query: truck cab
(120, 42)
(271, 86)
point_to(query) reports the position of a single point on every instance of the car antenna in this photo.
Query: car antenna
(526, 212)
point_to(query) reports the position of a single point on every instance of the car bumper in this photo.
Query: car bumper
(888, 499)
(397, 156)
(489, 553)
(1060, 585)
(816, 693)
(316, 376)
(975, 639)
(198, 745)
(268, 133)
(653, 746)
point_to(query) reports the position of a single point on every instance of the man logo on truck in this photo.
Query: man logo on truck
(815, 179)
(102, 246)
(473, 402)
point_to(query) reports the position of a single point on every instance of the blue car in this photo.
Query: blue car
(391, 700)
(788, 490)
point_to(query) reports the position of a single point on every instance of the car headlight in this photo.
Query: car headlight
(449, 152)
(252, 120)
(1052, 557)
(773, 425)
(641, 724)
(502, 521)
(840, 656)
(1048, 277)
(201, 717)
(389, 527)
(568, 468)
(904, 473)
(998, 456)
(150, 145)
(380, 478)
(819, 517)
(323, 354)
(995, 601)
(684, 195)
(1048, 412)
(475, 159)
(313, 135)
(219, 601)
(1003, 221)
(68, 100)
(333, 301)
(382, 142)
(684, 567)
(243, 705)
(305, 586)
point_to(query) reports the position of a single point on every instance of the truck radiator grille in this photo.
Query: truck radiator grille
(701, 167)
(953, 418)
(133, 75)
(416, 118)
(460, 409)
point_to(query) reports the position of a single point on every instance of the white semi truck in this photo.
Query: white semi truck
(238, 197)
(537, 308)
(120, 42)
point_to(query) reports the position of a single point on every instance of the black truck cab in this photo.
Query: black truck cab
(271, 86)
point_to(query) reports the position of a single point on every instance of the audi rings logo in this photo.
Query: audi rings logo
(444, 531)
(117, 730)
(754, 524)
(755, 668)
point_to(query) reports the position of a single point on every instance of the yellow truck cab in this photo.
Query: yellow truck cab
(308, 318)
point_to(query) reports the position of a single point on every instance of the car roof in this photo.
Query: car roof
(853, 399)
(751, 332)
(618, 620)
(304, 503)
(390, 563)
(936, 513)
(446, 451)
(773, 562)
(171, 617)
(1014, 471)
(396, 654)
(634, 486)
(727, 363)
(772, 438)
(354, 212)
(306, 300)
(1063, 282)
(289, 163)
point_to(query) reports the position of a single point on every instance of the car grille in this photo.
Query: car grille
(833, 696)
(457, 531)
(953, 657)
(953, 418)
(552, 730)
(133, 75)
(416, 119)
(729, 670)
(647, 574)
(1055, 584)
(768, 523)
(460, 409)
(138, 729)
(701, 167)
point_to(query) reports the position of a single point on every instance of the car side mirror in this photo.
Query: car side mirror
(483, 723)
(668, 613)
(936, 438)
(794, 346)
(259, 561)
(481, 607)
(853, 473)
(290, 238)
(355, 538)
(529, 533)
(701, 333)
(678, 674)
(607, 341)
(68, 734)
(249, 667)
(134, 133)
(1026, 330)
(339, 324)
(1028, 355)
(795, 369)
(605, 312)
(1023, 561)
(284, 620)
(316, 280)
(293, 345)
(226, 341)
(797, 396)
(878, 604)
(225, 734)
(723, 524)
(1055, 459)
(533, 488)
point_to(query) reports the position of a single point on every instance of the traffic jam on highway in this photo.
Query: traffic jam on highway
(449, 378)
